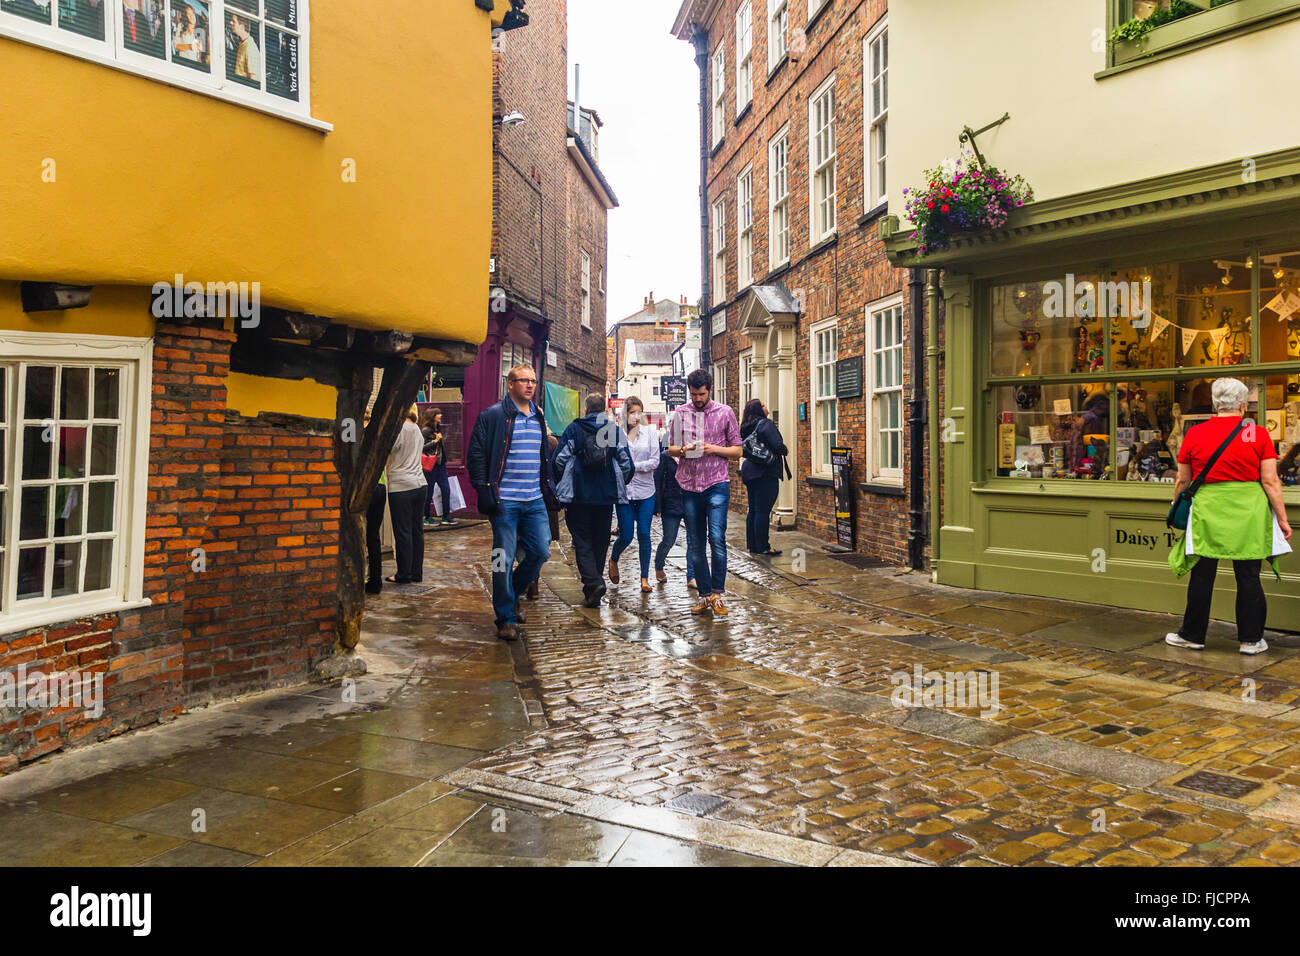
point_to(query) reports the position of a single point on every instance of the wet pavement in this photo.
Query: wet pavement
(637, 734)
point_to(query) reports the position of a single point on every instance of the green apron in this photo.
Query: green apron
(1230, 520)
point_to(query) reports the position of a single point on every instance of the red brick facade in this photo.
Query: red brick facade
(254, 609)
(837, 278)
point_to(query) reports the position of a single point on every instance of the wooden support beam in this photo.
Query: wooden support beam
(283, 324)
(388, 343)
(442, 352)
(350, 409)
(338, 337)
(402, 381)
(273, 359)
(53, 297)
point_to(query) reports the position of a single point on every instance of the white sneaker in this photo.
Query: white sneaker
(1259, 647)
(1176, 641)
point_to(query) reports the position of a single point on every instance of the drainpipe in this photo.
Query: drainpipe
(932, 387)
(916, 424)
(701, 38)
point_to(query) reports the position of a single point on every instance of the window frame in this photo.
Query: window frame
(817, 169)
(1221, 23)
(134, 356)
(719, 94)
(745, 228)
(874, 391)
(584, 288)
(112, 53)
(815, 7)
(778, 202)
(744, 56)
(720, 382)
(719, 250)
(777, 10)
(876, 180)
(745, 367)
(817, 451)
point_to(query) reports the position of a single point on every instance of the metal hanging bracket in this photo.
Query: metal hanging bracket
(968, 136)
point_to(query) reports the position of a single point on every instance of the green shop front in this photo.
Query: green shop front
(1080, 343)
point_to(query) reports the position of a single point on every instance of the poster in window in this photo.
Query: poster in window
(38, 10)
(190, 32)
(243, 48)
(144, 27)
(85, 17)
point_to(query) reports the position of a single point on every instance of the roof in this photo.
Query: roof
(654, 353)
(777, 299)
(587, 163)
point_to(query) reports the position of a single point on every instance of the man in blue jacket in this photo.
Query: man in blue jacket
(592, 466)
(507, 468)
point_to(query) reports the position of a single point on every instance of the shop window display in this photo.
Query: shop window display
(1063, 350)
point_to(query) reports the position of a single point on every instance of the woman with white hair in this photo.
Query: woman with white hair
(1237, 514)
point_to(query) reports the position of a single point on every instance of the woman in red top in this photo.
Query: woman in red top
(1230, 517)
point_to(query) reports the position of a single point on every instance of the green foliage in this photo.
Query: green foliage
(1137, 29)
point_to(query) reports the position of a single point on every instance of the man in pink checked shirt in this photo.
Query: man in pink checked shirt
(705, 439)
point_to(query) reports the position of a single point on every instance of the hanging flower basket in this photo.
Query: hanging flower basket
(961, 198)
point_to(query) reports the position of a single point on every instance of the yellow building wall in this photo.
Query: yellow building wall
(965, 64)
(154, 180)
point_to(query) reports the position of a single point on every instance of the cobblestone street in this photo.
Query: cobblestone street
(637, 734)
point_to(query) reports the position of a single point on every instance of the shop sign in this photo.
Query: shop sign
(673, 391)
(1141, 538)
(842, 468)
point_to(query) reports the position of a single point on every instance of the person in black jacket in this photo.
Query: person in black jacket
(589, 491)
(671, 511)
(762, 480)
(437, 475)
(507, 464)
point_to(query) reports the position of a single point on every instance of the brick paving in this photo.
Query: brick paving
(648, 704)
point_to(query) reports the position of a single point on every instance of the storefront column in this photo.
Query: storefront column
(781, 341)
(959, 434)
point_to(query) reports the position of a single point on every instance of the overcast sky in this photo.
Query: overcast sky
(644, 84)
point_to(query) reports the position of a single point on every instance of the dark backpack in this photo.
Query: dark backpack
(592, 454)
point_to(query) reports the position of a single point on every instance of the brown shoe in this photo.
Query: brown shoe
(508, 632)
(719, 609)
(532, 592)
(706, 604)
(613, 571)
(519, 613)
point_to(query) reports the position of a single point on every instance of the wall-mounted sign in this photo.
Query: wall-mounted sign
(803, 411)
(848, 377)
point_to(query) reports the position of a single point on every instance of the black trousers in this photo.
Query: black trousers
(407, 509)
(589, 526)
(758, 518)
(1252, 607)
(374, 520)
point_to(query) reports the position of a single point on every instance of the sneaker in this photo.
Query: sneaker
(450, 522)
(1259, 647)
(1176, 640)
(706, 604)
(430, 523)
(719, 609)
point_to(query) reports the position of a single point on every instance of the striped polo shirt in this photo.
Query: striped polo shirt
(521, 479)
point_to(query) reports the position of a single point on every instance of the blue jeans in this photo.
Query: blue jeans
(518, 524)
(706, 526)
(636, 515)
(671, 525)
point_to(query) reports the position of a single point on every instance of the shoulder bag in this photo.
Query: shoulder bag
(1181, 510)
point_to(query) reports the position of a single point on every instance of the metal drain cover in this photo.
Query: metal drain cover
(860, 561)
(1218, 784)
(698, 804)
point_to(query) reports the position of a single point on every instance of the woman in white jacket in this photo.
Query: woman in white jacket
(639, 512)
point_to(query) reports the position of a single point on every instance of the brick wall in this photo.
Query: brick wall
(261, 498)
(838, 279)
(581, 351)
